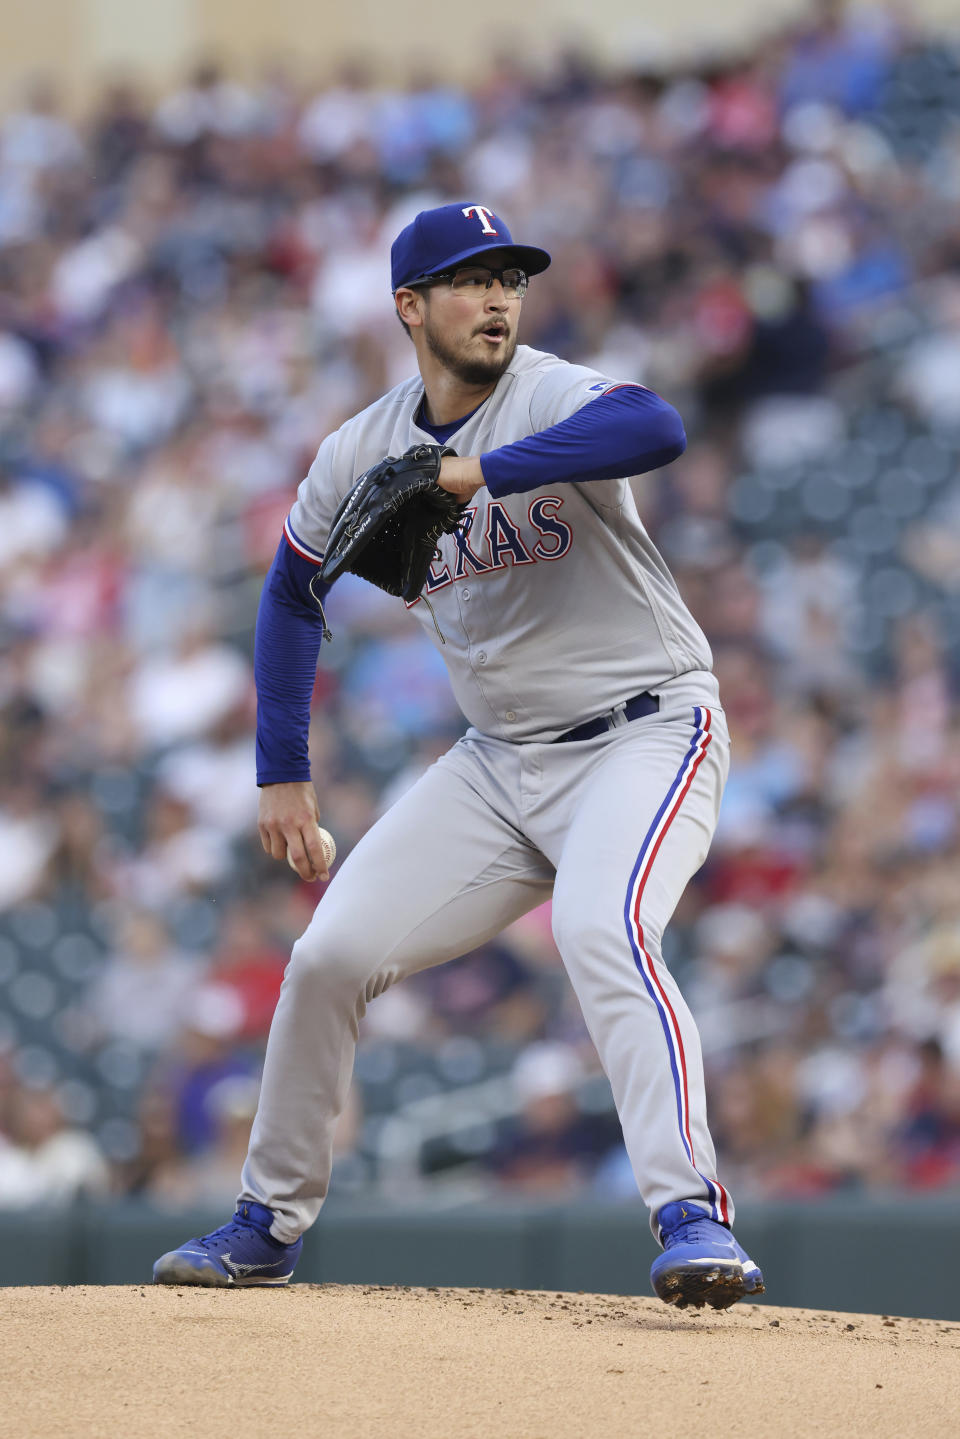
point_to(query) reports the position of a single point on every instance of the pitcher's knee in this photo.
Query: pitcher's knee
(332, 956)
(578, 927)
(580, 932)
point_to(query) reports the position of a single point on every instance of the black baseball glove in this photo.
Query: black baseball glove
(387, 528)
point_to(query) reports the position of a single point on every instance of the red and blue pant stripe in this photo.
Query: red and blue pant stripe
(648, 965)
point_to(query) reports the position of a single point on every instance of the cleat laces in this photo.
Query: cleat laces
(702, 1230)
(227, 1233)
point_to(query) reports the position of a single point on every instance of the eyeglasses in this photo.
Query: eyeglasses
(475, 279)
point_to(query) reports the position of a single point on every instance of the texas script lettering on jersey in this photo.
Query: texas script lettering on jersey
(502, 543)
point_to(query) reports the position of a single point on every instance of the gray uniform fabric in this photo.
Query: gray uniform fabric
(555, 609)
(557, 605)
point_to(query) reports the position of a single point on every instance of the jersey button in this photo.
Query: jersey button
(481, 657)
(510, 716)
(466, 594)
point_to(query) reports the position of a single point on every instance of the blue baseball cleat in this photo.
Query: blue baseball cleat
(701, 1262)
(242, 1252)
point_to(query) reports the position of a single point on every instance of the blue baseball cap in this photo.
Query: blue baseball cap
(438, 239)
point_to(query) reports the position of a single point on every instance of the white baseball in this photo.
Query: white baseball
(329, 848)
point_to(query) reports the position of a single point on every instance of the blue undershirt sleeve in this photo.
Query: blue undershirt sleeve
(286, 645)
(627, 431)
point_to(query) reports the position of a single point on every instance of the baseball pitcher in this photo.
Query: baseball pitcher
(493, 493)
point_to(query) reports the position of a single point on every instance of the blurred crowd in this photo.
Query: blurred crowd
(193, 292)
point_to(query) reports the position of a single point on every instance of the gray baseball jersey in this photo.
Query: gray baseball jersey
(555, 608)
(595, 617)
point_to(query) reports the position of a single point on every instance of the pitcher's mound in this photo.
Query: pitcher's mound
(344, 1362)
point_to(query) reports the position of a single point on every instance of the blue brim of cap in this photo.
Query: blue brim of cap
(529, 259)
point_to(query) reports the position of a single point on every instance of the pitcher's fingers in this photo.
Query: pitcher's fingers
(298, 859)
(277, 841)
(316, 854)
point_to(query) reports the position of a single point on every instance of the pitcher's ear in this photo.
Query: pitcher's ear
(410, 306)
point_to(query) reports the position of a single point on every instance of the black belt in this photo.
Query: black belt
(636, 708)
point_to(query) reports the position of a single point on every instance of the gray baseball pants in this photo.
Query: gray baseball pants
(613, 828)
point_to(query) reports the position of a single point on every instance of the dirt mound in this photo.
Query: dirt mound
(345, 1362)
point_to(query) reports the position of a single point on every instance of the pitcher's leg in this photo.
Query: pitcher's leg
(641, 830)
(439, 874)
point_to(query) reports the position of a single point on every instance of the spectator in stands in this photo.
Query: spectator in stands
(43, 1160)
(551, 1146)
(144, 991)
(208, 1051)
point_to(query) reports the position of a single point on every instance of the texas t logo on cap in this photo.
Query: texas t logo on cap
(483, 214)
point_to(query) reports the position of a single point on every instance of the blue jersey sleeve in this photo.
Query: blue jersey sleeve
(289, 632)
(626, 431)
